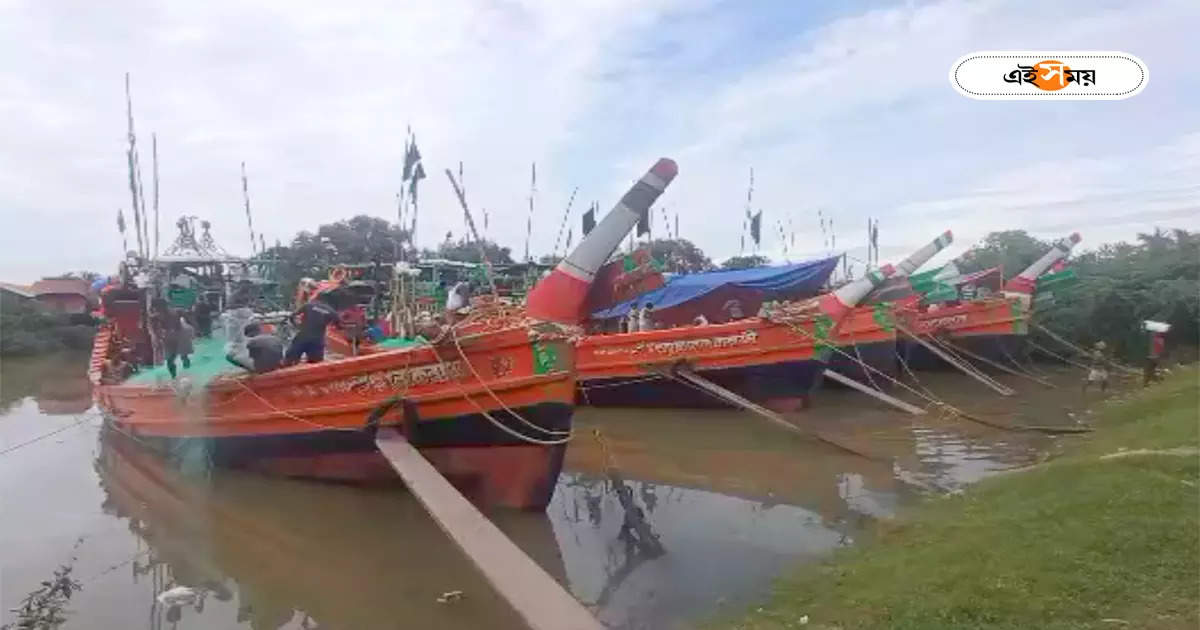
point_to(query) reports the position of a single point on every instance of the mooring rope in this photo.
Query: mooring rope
(78, 421)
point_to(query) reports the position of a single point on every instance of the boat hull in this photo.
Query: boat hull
(866, 336)
(993, 328)
(784, 386)
(468, 407)
(768, 362)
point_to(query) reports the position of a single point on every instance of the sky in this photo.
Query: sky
(840, 108)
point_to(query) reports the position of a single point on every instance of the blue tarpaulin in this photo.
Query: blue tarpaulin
(798, 279)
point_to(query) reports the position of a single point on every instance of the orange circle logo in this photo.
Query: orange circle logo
(1051, 75)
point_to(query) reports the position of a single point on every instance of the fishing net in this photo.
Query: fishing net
(208, 362)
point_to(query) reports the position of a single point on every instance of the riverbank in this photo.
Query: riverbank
(1104, 536)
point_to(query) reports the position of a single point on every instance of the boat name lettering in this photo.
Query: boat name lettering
(387, 380)
(951, 320)
(684, 345)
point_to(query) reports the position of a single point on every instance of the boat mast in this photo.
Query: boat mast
(529, 221)
(131, 157)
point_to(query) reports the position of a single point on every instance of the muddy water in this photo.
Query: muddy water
(733, 500)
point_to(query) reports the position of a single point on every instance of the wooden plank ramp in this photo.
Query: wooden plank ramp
(685, 373)
(540, 601)
(895, 402)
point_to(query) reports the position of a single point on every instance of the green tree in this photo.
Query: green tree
(468, 251)
(679, 255)
(360, 239)
(1013, 249)
(746, 262)
(1120, 285)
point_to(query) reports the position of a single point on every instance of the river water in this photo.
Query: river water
(734, 501)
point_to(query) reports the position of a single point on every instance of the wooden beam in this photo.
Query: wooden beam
(542, 602)
(1002, 367)
(686, 374)
(895, 402)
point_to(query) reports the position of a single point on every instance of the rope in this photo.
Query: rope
(490, 418)
(79, 420)
(289, 414)
(931, 398)
(1083, 352)
(1052, 354)
(949, 349)
(482, 383)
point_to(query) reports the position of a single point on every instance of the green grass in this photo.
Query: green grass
(1078, 542)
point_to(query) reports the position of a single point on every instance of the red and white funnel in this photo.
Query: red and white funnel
(560, 296)
(922, 256)
(839, 303)
(1026, 281)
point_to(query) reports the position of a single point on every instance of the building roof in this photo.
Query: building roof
(17, 289)
(68, 286)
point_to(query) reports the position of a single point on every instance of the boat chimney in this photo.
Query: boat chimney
(560, 296)
(922, 256)
(839, 303)
(1026, 281)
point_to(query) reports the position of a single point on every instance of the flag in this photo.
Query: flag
(589, 220)
(643, 224)
(417, 175)
(756, 227)
(120, 220)
(412, 159)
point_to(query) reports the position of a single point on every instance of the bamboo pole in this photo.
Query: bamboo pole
(487, 265)
(563, 225)
(998, 388)
(154, 158)
(1002, 367)
(246, 200)
(685, 373)
(895, 402)
(131, 158)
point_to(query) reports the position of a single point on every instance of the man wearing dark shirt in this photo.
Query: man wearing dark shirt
(309, 341)
(263, 352)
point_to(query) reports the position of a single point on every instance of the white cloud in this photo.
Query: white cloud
(854, 116)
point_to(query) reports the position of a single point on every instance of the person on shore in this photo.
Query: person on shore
(700, 320)
(1158, 343)
(309, 341)
(261, 352)
(632, 320)
(1097, 368)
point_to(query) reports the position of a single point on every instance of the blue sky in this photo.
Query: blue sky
(839, 107)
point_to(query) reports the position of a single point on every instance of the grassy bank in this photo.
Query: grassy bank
(1083, 541)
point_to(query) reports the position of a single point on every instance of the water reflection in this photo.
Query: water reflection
(58, 383)
(733, 502)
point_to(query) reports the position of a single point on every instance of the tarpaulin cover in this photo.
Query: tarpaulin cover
(800, 279)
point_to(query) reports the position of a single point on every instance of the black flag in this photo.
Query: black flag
(756, 227)
(589, 220)
(643, 224)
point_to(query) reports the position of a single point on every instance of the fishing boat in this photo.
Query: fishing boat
(774, 358)
(488, 403)
(992, 323)
(867, 340)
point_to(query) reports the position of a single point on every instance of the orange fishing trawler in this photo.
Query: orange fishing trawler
(994, 326)
(488, 402)
(776, 358)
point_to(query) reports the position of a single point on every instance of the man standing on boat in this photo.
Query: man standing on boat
(309, 341)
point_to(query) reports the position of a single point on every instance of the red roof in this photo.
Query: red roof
(68, 286)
